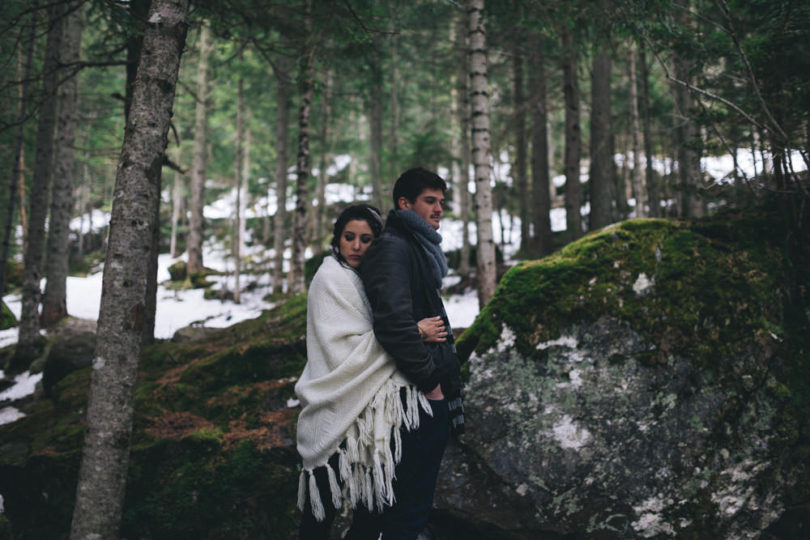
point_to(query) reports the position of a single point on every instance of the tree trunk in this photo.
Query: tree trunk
(282, 139)
(481, 153)
(54, 306)
(297, 281)
(393, 146)
(177, 206)
(29, 337)
(375, 108)
(542, 242)
(602, 172)
(196, 227)
(573, 138)
(685, 138)
(653, 194)
(17, 177)
(238, 172)
(635, 132)
(463, 115)
(323, 178)
(105, 457)
(521, 175)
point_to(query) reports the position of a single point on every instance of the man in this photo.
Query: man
(402, 273)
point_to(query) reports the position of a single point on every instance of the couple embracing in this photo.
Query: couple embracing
(381, 389)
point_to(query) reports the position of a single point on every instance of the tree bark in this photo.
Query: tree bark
(238, 172)
(307, 64)
(463, 111)
(653, 193)
(573, 138)
(196, 226)
(105, 457)
(635, 132)
(375, 114)
(323, 178)
(17, 171)
(481, 152)
(54, 306)
(177, 207)
(393, 146)
(603, 170)
(282, 138)
(521, 150)
(686, 137)
(542, 242)
(29, 337)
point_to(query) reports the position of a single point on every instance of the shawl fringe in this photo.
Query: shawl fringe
(366, 462)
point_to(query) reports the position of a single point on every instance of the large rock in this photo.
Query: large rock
(644, 382)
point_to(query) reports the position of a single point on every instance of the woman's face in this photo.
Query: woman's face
(354, 241)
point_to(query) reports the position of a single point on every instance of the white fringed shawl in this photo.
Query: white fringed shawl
(350, 394)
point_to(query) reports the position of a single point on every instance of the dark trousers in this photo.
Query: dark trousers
(414, 485)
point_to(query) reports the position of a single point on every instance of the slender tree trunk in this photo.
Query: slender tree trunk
(54, 306)
(542, 241)
(239, 164)
(194, 241)
(393, 146)
(29, 337)
(653, 193)
(481, 153)
(635, 132)
(323, 178)
(282, 138)
(177, 206)
(105, 457)
(465, 200)
(17, 175)
(602, 166)
(375, 107)
(573, 138)
(521, 175)
(297, 281)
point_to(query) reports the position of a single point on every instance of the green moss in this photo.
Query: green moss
(7, 318)
(706, 292)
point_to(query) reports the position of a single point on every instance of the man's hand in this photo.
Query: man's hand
(435, 394)
(432, 329)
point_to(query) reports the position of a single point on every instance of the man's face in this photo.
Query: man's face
(429, 205)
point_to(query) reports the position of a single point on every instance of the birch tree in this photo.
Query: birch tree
(105, 456)
(306, 73)
(481, 152)
(573, 136)
(639, 190)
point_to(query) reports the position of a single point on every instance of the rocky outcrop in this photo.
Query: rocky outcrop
(644, 382)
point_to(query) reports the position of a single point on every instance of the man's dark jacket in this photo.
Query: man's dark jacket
(396, 275)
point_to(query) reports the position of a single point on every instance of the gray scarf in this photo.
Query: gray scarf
(430, 240)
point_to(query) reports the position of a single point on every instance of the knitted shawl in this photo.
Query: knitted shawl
(350, 396)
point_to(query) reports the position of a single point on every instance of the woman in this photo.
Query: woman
(354, 400)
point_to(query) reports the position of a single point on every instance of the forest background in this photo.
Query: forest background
(275, 101)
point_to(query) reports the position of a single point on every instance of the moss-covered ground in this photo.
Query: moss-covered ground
(213, 452)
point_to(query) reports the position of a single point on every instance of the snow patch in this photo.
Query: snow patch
(24, 385)
(643, 284)
(9, 415)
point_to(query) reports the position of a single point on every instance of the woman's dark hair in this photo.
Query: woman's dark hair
(364, 212)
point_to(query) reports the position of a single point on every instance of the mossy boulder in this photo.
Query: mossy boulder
(648, 380)
(177, 271)
(213, 452)
(7, 318)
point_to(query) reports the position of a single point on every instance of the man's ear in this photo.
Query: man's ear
(403, 203)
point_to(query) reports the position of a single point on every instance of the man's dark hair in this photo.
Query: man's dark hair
(364, 212)
(413, 182)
